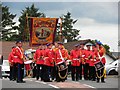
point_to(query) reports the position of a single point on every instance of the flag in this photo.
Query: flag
(42, 30)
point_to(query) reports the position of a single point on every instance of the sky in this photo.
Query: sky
(96, 19)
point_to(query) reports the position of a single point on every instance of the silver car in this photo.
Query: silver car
(112, 68)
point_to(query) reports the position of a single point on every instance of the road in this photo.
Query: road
(111, 82)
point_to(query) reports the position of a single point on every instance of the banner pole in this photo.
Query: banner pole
(60, 29)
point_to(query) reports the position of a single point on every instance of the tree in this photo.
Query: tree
(107, 48)
(32, 12)
(8, 25)
(67, 28)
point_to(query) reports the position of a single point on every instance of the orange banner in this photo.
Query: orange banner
(43, 30)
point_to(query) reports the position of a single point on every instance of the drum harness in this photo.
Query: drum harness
(62, 77)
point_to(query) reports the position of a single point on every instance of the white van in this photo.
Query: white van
(5, 69)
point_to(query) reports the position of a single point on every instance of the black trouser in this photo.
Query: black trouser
(75, 70)
(80, 71)
(86, 71)
(52, 72)
(46, 73)
(92, 73)
(20, 71)
(39, 71)
(100, 73)
(13, 70)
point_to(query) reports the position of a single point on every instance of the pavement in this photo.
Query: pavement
(111, 82)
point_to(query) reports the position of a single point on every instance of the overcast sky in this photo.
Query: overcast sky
(96, 20)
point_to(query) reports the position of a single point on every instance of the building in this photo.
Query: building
(6, 48)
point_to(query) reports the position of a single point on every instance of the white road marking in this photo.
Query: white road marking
(53, 86)
(40, 82)
(88, 86)
(28, 79)
(5, 79)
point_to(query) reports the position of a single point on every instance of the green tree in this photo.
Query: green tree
(106, 47)
(31, 12)
(8, 25)
(68, 31)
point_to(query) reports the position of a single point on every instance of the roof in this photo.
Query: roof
(6, 47)
(70, 45)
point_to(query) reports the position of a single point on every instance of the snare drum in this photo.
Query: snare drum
(62, 70)
(99, 65)
(61, 66)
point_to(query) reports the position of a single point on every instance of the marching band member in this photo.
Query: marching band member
(12, 65)
(18, 53)
(61, 55)
(82, 60)
(75, 57)
(101, 57)
(38, 58)
(87, 61)
(92, 63)
(49, 61)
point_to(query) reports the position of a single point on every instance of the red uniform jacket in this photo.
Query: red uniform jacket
(83, 56)
(58, 57)
(101, 54)
(38, 56)
(75, 57)
(18, 55)
(49, 57)
(88, 54)
(93, 59)
(11, 57)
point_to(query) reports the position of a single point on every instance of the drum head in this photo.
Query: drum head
(99, 65)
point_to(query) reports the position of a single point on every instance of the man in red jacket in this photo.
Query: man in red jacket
(75, 55)
(61, 55)
(49, 61)
(88, 53)
(92, 64)
(19, 59)
(101, 57)
(12, 65)
(39, 60)
(82, 63)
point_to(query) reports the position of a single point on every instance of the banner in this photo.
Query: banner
(42, 30)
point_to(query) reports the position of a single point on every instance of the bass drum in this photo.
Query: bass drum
(62, 69)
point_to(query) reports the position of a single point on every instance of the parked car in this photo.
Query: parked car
(5, 69)
(112, 68)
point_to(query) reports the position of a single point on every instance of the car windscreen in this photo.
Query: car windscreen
(5, 63)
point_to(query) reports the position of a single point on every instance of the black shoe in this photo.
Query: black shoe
(97, 81)
(63, 80)
(80, 79)
(73, 80)
(77, 80)
(19, 82)
(37, 78)
(102, 81)
(93, 80)
(47, 81)
(23, 81)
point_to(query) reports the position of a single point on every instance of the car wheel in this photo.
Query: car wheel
(113, 72)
